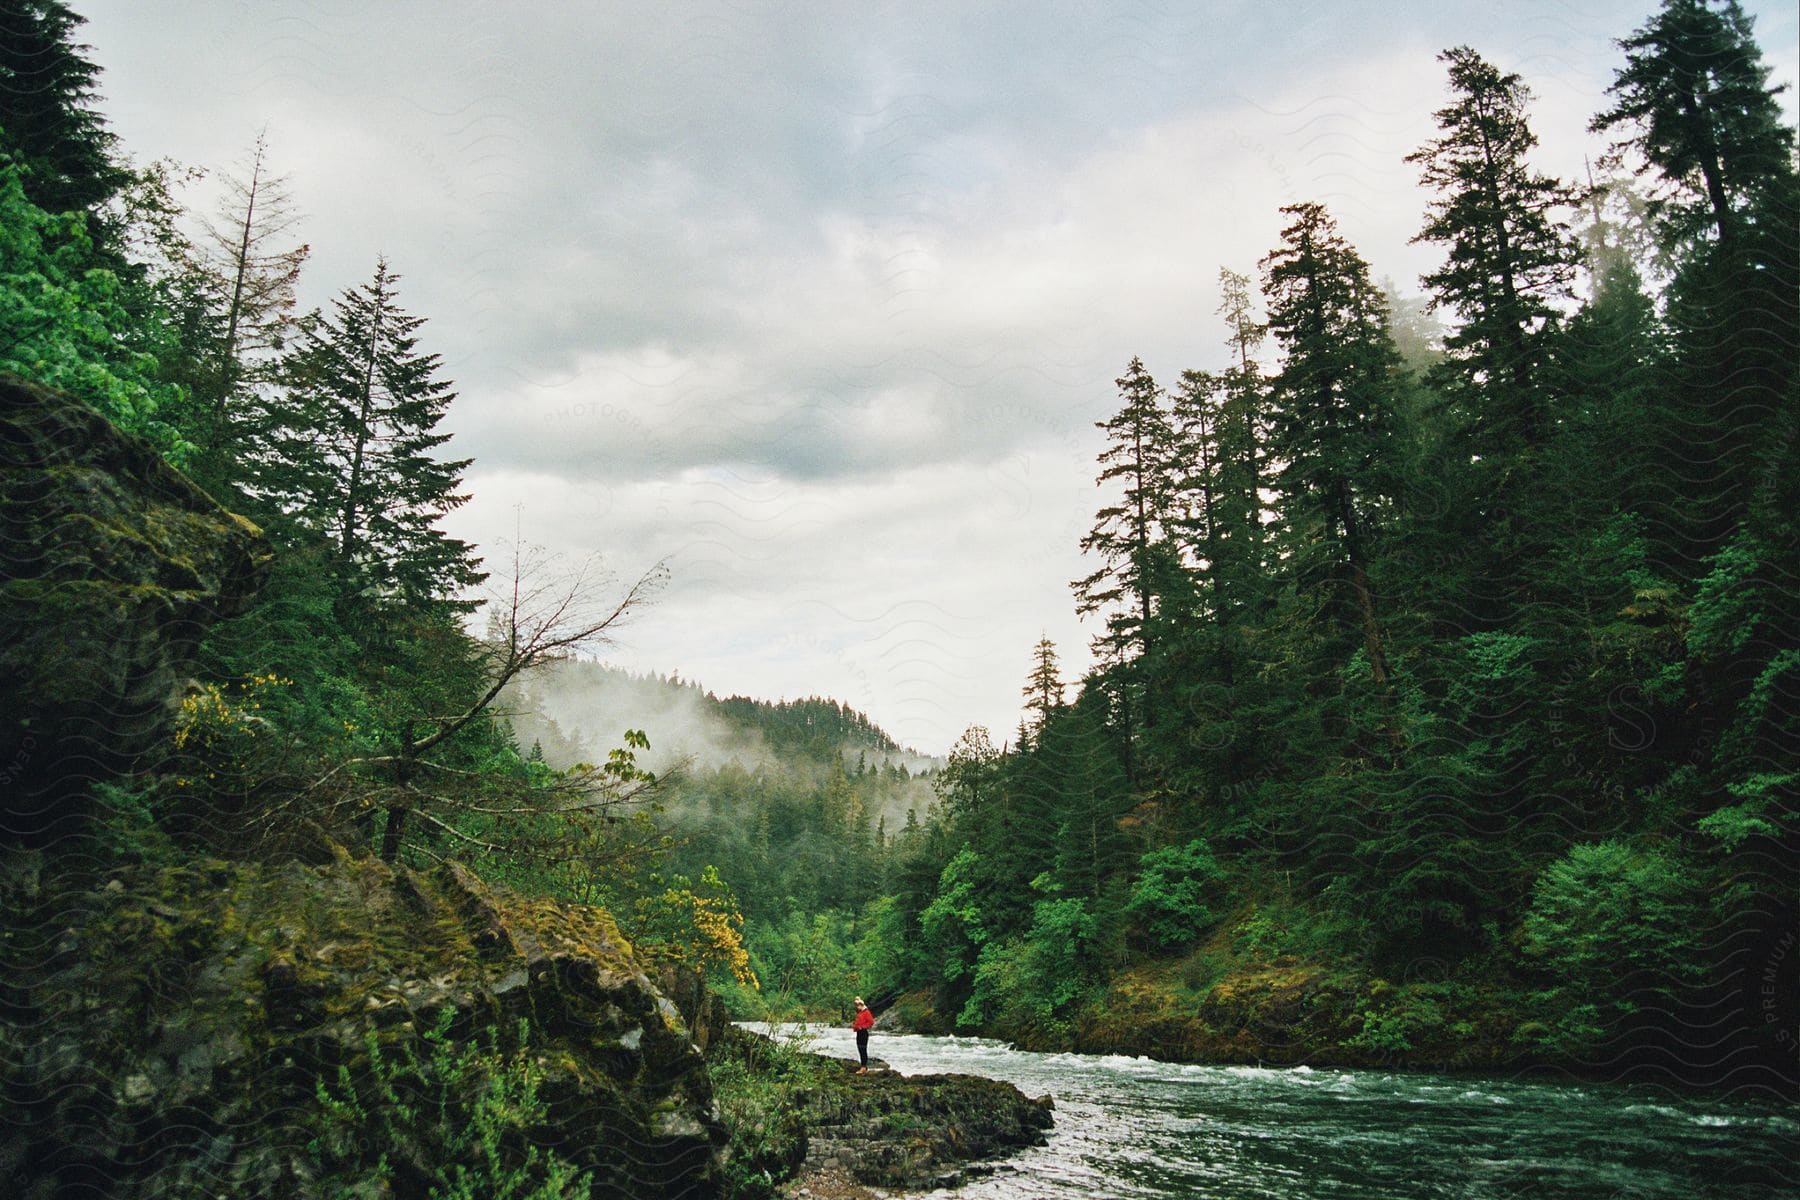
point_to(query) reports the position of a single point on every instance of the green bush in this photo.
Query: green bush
(1612, 926)
(1202, 970)
(755, 1080)
(1261, 935)
(1169, 898)
(463, 1115)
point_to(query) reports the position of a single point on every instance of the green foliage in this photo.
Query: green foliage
(755, 1081)
(70, 321)
(1383, 1032)
(804, 962)
(1694, 100)
(1170, 896)
(696, 922)
(1261, 935)
(47, 114)
(130, 827)
(881, 954)
(1508, 256)
(459, 1119)
(952, 923)
(1613, 926)
(352, 451)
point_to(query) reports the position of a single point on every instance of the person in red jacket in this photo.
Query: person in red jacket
(865, 1020)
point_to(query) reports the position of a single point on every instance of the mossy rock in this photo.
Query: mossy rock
(172, 1036)
(112, 566)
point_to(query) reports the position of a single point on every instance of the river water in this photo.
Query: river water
(1131, 1127)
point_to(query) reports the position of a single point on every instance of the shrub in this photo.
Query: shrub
(465, 1115)
(1613, 926)
(1169, 897)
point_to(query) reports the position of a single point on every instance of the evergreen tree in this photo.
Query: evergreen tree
(1139, 564)
(1043, 688)
(1509, 257)
(1242, 423)
(1695, 94)
(1332, 426)
(47, 115)
(352, 456)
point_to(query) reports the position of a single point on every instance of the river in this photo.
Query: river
(1131, 1127)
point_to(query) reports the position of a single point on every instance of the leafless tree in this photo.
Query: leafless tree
(541, 616)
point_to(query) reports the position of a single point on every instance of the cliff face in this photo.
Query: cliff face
(174, 1033)
(112, 565)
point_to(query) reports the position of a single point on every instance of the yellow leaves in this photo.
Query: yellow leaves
(211, 713)
(704, 930)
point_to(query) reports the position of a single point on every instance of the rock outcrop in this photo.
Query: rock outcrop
(112, 565)
(823, 1121)
(915, 1131)
(176, 1032)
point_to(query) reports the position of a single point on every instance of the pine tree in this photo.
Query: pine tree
(1695, 92)
(1236, 547)
(1332, 427)
(1139, 562)
(1043, 688)
(47, 118)
(352, 452)
(1509, 256)
(1242, 423)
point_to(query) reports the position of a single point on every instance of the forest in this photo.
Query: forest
(1448, 668)
(1466, 663)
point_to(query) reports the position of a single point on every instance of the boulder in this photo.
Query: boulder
(112, 565)
(814, 1119)
(915, 1131)
(222, 1028)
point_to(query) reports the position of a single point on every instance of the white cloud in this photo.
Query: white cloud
(822, 305)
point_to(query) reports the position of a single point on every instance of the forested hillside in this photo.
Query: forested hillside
(1453, 691)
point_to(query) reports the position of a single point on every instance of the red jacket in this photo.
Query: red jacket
(864, 1020)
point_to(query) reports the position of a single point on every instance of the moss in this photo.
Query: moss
(232, 988)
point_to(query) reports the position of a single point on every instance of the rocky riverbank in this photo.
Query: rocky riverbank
(809, 1125)
(1284, 1012)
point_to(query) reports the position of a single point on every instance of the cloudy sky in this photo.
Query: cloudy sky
(819, 303)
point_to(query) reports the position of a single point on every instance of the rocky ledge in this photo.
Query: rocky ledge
(220, 1028)
(839, 1132)
(112, 565)
(914, 1131)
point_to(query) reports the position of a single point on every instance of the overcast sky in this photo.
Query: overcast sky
(819, 303)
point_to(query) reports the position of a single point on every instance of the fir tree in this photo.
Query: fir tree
(1139, 562)
(47, 115)
(1509, 256)
(1695, 93)
(1043, 688)
(1332, 427)
(353, 454)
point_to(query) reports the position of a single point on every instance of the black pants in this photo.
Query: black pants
(862, 1046)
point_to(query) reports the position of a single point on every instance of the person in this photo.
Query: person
(865, 1020)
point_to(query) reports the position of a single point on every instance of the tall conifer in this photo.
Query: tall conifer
(355, 458)
(1332, 424)
(1509, 257)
